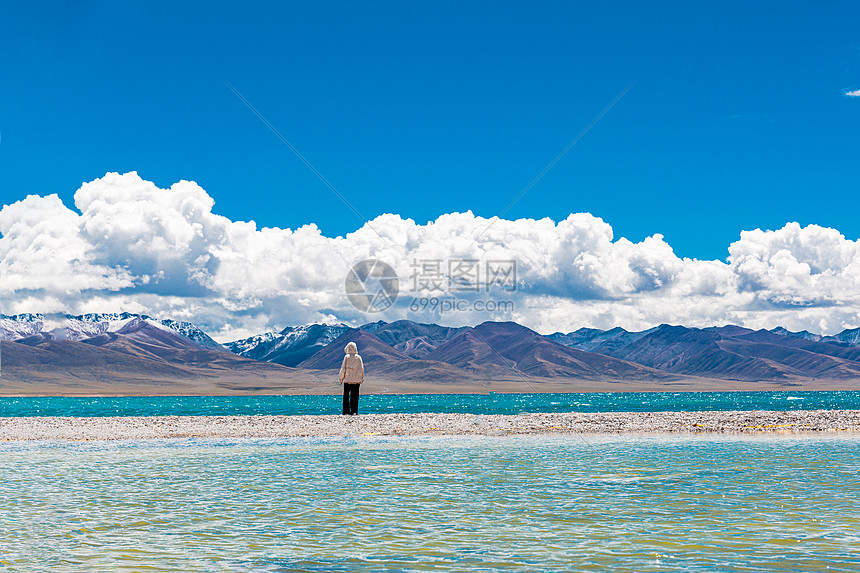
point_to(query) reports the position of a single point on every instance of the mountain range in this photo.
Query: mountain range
(288, 347)
(84, 326)
(130, 353)
(126, 354)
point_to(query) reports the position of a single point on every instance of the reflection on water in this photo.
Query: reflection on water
(428, 504)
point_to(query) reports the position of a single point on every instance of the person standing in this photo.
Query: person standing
(351, 376)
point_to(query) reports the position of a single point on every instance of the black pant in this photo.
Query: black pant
(350, 398)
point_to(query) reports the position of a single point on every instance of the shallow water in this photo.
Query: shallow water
(428, 504)
(442, 403)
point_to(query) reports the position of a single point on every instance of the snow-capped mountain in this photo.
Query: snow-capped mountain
(290, 346)
(255, 346)
(850, 337)
(373, 326)
(192, 332)
(17, 326)
(804, 334)
(85, 326)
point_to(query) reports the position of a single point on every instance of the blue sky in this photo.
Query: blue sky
(737, 119)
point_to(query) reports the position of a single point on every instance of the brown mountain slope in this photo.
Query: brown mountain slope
(382, 360)
(53, 355)
(508, 344)
(144, 340)
(145, 359)
(414, 338)
(371, 349)
(470, 351)
(732, 353)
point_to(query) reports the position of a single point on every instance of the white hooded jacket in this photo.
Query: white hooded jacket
(352, 367)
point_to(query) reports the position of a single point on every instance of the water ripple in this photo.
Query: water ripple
(432, 504)
(440, 403)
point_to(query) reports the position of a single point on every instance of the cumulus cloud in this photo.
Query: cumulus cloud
(798, 266)
(133, 246)
(43, 249)
(855, 93)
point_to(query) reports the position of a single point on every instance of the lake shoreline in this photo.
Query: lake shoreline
(795, 422)
(325, 384)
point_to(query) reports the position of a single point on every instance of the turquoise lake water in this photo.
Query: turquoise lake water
(403, 403)
(433, 504)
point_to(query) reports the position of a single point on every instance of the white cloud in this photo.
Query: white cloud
(798, 266)
(855, 93)
(43, 249)
(133, 246)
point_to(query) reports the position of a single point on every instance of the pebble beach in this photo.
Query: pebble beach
(418, 424)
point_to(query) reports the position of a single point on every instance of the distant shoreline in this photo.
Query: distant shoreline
(757, 422)
(325, 383)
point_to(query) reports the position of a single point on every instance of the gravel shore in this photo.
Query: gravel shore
(124, 428)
